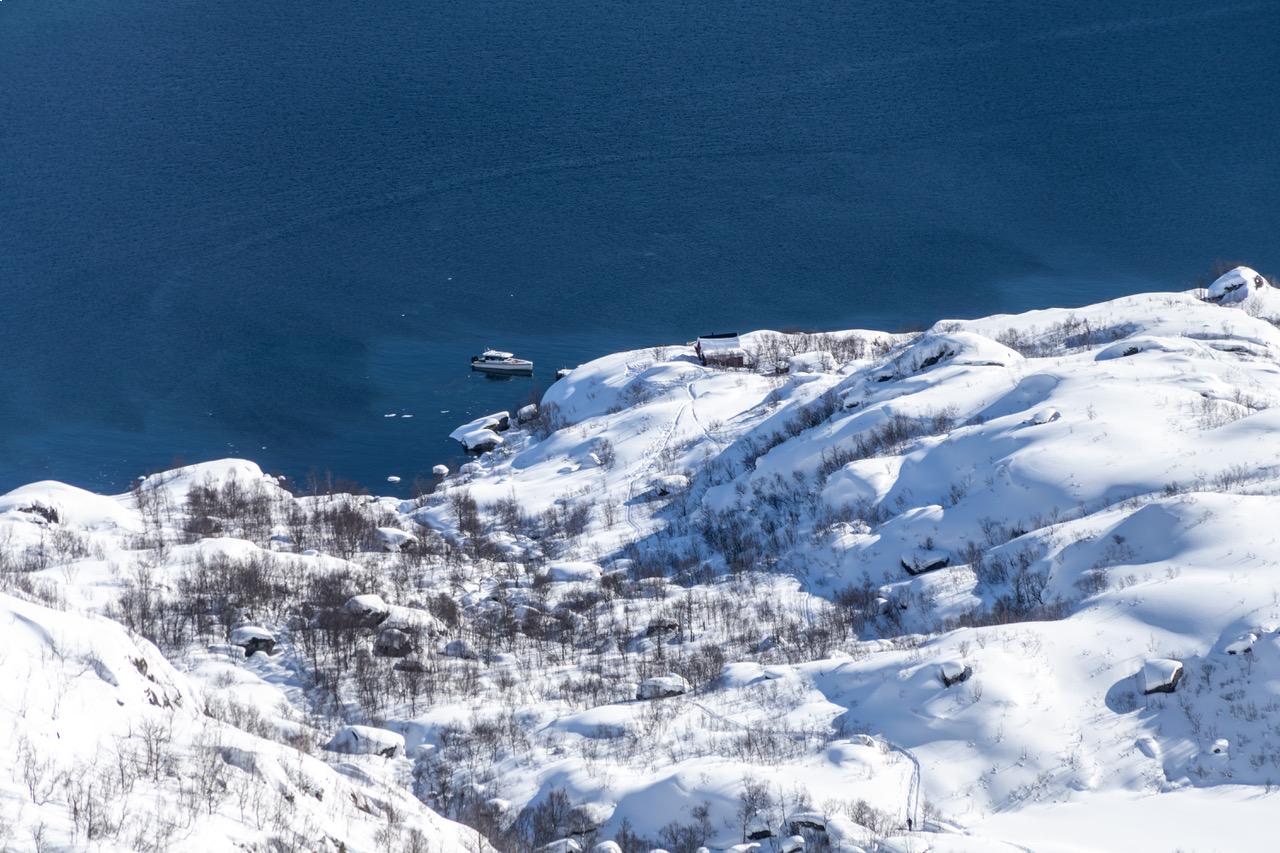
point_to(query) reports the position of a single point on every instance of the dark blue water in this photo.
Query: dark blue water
(256, 228)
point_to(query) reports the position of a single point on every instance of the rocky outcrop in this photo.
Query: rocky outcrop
(954, 672)
(366, 740)
(253, 639)
(1161, 675)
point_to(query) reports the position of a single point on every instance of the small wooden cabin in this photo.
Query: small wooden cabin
(721, 350)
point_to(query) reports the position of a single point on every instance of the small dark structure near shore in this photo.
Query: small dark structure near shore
(723, 349)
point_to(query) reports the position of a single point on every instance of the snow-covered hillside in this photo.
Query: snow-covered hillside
(1008, 584)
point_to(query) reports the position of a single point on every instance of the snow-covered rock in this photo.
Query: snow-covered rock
(482, 433)
(563, 845)
(1242, 645)
(392, 643)
(1044, 416)
(1236, 285)
(953, 672)
(585, 818)
(570, 572)
(412, 620)
(669, 484)
(811, 362)
(394, 539)
(811, 821)
(367, 740)
(461, 649)
(50, 502)
(920, 560)
(368, 609)
(660, 625)
(758, 829)
(662, 687)
(253, 639)
(1161, 675)
(97, 704)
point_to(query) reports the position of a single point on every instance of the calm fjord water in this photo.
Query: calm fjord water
(255, 228)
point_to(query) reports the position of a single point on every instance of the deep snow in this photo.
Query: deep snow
(881, 578)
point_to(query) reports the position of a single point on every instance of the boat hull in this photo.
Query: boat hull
(504, 369)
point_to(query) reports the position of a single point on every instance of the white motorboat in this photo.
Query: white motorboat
(496, 361)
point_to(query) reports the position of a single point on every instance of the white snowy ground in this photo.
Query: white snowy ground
(1099, 486)
(104, 745)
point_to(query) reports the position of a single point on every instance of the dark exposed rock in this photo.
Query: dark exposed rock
(48, 513)
(952, 672)
(1161, 675)
(253, 639)
(661, 625)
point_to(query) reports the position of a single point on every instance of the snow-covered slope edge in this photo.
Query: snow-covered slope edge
(104, 745)
(1009, 584)
(1039, 504)
(107, 747)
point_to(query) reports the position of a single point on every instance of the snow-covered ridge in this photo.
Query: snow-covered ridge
(1008, 584)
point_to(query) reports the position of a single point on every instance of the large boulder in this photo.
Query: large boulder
(568, 572)
(253, 639)
(668, 484)
(461, 649)
(393, 538)
(392, 643)
(920, 560)
(1235, 285)
(586, 818)
(1243, 644)
(367, 740)
(953, 672)
(482, 433)
(1161, 675)
(759, 829)
(661, 625)
(811, 821)
(414, 620)
(1044, 416)
(367, 610)
(662, 687)
(410, 663)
